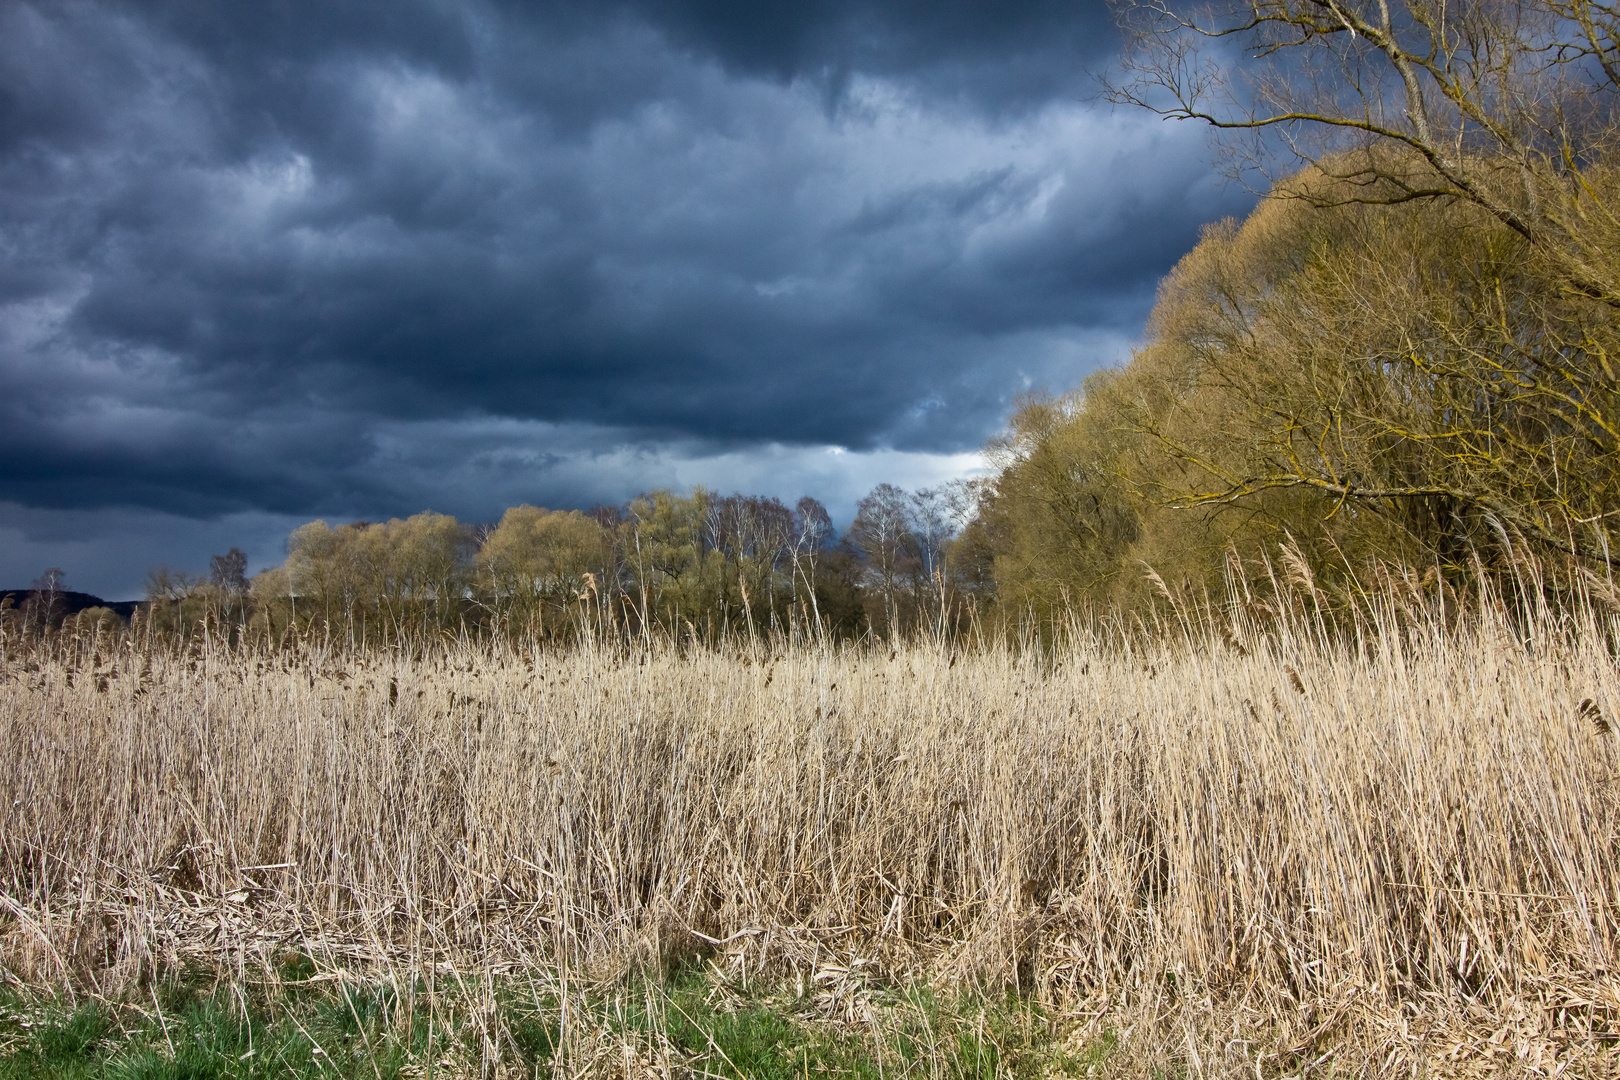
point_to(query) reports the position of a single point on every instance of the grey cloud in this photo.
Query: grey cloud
(997, 55)
(360, 259)
(106, 552)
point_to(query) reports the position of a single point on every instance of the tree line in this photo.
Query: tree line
(695, 565)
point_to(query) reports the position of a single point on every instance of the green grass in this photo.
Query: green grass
(195, 1030)
(187, 1032)
(758, 1038)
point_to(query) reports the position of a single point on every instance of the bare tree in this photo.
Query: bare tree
(938, 516)
(754, 534)
(812, 531)
(882, 532)
(47, 606)
(164, 584)
(228, 572)
(1506, 105)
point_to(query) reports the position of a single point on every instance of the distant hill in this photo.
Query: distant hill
(74, 602)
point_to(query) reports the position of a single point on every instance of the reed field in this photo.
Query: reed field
(1235, 843)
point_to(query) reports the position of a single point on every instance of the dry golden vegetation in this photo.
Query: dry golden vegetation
(1234, 845)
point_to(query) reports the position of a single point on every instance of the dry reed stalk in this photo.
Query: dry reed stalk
(1389, 854)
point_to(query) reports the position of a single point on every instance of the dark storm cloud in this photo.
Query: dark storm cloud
(336, 257)
(993, 54)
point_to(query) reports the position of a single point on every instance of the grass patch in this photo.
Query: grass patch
(187, 1032)
(690, 1024)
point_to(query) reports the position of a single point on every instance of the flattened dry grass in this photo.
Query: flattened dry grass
(1234, 847)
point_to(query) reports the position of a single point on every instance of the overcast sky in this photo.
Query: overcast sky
(266, 262)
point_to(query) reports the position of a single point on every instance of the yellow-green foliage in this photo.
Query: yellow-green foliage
(404, 573)
(538, 564)
(1403, 382)
(667, 556)
(693, 563)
